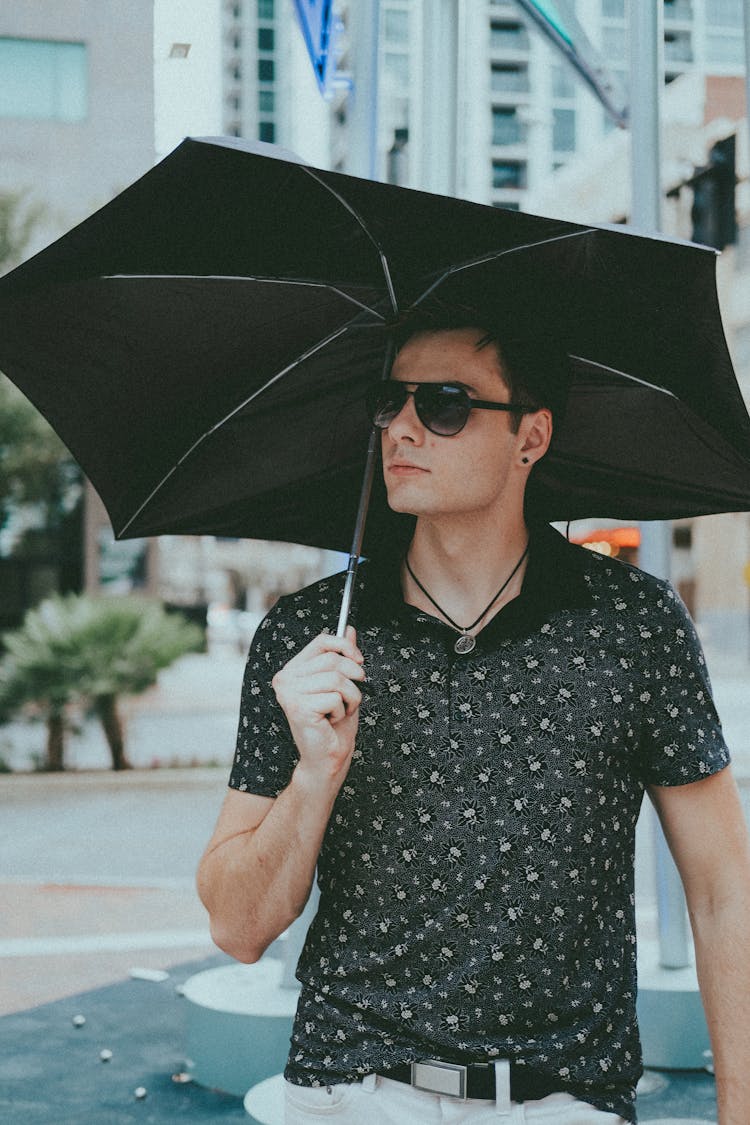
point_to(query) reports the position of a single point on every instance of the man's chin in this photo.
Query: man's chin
(404, 507)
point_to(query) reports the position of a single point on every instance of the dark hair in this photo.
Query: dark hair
(535, 365)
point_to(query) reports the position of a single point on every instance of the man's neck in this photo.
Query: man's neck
(463, 564)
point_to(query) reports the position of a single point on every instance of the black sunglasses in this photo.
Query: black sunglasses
(442, 408)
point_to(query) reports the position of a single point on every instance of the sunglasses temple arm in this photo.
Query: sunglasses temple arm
(364, 503)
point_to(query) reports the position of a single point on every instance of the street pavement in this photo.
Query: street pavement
(97, 875)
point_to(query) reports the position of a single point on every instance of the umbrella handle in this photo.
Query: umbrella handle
(359, 531)
(364, 503)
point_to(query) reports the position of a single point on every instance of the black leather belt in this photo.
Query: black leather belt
(470, 1080)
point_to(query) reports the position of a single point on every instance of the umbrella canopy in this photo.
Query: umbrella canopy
(203, 345)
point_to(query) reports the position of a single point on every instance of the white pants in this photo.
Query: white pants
(381, 1101)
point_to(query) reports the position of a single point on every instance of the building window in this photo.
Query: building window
(614, 42)
(508, 36)
(265, 38)
(678, 47)
(266, 70)
(508, 174)
(726, 49)
(613, 9)
(678, 10)
(506, 127)
(724, 13)
(396, 27)
(266, 101)
(507, 205)
(267, 131)
(563, 82)
(397, 67)
(265, 9)
(563, 130)
(510, 78)
(43, 79)
(741, 350)
(742, 250)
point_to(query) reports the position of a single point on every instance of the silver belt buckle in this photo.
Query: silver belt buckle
(438, 1077)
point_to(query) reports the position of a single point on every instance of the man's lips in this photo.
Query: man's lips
(404, 468)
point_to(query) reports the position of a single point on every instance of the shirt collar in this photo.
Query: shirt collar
(554, 581)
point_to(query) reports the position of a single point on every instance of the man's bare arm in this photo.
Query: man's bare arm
(706, 831)
(256, 873)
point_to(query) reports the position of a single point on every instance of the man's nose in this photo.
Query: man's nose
(406, 425)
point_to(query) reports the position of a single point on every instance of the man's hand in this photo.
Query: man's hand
(320, 698)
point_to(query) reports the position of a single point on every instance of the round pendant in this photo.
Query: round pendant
(465, 643)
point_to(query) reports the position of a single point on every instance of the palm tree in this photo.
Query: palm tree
(126, 643)
(40, 673)
(93, 650)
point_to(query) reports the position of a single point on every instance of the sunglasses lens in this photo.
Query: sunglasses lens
(443, 410)
(385, 402)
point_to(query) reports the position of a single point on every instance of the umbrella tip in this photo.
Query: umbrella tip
(254, 147)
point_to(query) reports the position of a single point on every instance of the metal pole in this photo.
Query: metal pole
(747, 61)
(440, 95)
(645, 89)
(362, 159)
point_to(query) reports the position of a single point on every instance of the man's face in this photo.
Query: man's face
(474, 471)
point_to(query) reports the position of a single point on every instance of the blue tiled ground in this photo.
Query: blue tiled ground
(51, 1072)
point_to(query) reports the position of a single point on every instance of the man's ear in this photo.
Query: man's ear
(535, 433)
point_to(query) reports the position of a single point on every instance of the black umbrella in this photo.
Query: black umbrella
(203, 344)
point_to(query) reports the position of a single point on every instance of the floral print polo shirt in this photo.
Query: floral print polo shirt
(476, 875)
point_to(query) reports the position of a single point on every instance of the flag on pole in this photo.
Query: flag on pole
(316, 21)
(557, 21)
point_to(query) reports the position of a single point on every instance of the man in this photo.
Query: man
(466, 773)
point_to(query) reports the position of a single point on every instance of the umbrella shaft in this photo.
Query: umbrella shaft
(364, 503)
(359, 532)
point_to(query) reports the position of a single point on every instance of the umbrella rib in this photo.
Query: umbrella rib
(242, 277)
(500, 254)
(624, 374)
(355, 214)
(217, 425)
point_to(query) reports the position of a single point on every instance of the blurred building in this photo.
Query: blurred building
(706, 188)
(472, 100)
(269, 89)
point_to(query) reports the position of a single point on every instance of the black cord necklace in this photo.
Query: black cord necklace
(466, 642)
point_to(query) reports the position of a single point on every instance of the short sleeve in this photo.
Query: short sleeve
(681, 736)
(265, 755)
